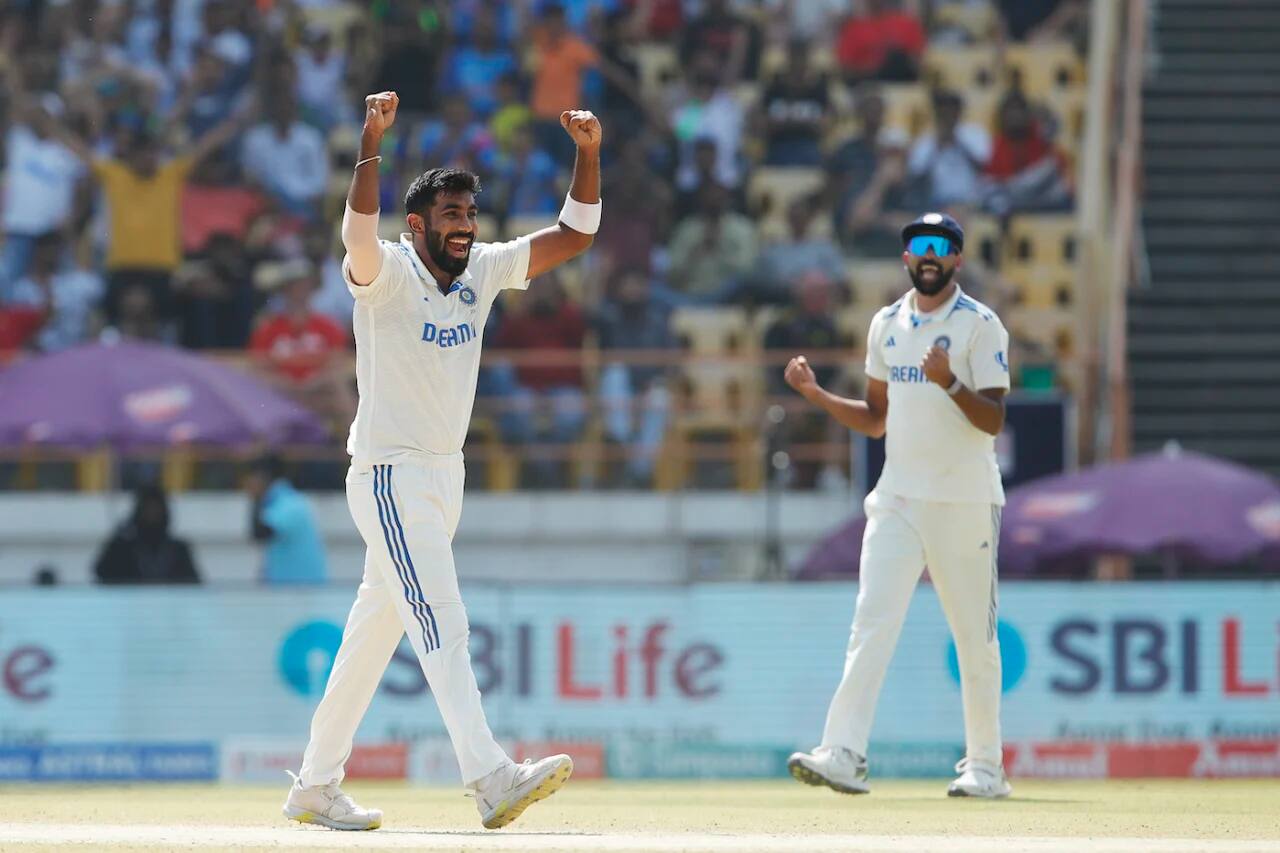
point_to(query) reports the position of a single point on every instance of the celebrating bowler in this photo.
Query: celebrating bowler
(937, 372)
(420, 309)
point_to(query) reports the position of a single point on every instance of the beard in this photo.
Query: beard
(941, 280)
(450, 263)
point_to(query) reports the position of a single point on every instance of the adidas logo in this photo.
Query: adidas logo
(889, 342)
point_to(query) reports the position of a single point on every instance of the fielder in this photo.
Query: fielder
(937, 372)
(420, 314)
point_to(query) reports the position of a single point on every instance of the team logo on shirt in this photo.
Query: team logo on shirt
(467, 295)
(942, 342)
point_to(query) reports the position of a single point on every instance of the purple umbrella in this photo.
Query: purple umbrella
(132, 394)
(1195, 508)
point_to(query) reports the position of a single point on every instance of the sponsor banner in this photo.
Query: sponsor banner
(118, 762)
(706, 665)
(695, 760)
(914, 760)
(261, 760)
(588, 757)
(432, 761)
(1211, 759)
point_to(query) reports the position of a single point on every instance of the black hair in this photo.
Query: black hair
(269, 465)
(424, 189)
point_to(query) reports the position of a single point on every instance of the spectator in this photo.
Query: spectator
(635, 397)
(708, 110)
(712, 251)
(210, 94)
(811, 20)
(476, 66)
(455, 139)
(321, 79)
(641, 200)
(1041, 20)
(884, 43)
(852, 165)
(865, 179)
(40, 188)
(1027, 172)
(69, 296)
(794, 111)
(143, 192)
(332, 298)
(946, 166)
(281, 518)
(621, 99)
(19, 325)
(806, 327)
(288, 158)
(138, 318)
(796, 255)
(142, 551)
(658, 20)
(300, 350)
(587, 17)
(694, 181)
(549, 393)
(216, 298)
(721, 33)
(413, 41)
(511, 113)
(526, 179)
(465, 14)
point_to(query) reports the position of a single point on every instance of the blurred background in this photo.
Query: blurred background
(660, 541)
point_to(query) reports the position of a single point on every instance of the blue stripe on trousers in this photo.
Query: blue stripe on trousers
(413, 575)
(380, 495)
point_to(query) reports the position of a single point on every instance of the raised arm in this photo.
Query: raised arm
(580, 217)
(360, 221)
(221, 133)
(864, 416)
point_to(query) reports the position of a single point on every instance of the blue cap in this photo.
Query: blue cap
(935, 223)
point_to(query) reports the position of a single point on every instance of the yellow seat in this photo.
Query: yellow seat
(961, 69)
(1067, 108)
(980, 22)
(772, 190)
(657, 63)
(876, 284)
(1055, 330)
(1042, 285)
(906, 107)
(1042, 238)
(1042, 68)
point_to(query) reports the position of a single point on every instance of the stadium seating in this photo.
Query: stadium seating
(772, 190)
(1048, 239)
(657, 64)
(965, 70)
(1041, 69)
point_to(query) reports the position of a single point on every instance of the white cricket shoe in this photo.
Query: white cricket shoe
(504, 794)
(979, 779)
(838, 768)
(327, 806)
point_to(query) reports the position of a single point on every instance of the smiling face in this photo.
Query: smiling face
(448, 230)
(932, 271)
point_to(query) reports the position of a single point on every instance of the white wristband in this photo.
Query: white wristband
(955, 387)
(583, 218)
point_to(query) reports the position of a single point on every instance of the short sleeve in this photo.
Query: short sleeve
(876, 367)
(384, 284)
(505, 267)
(989, 355)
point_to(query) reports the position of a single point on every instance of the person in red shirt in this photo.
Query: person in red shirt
(885, 43)
(1026, 172)
(18, 327)
(542, 401)
(301, 351)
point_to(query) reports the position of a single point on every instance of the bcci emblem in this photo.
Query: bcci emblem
(467, 295)
(942, 342)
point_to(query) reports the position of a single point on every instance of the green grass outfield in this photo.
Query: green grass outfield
(667, 816)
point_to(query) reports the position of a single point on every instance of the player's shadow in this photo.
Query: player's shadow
(488, 833)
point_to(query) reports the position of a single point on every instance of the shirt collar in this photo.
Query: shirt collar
(428, 280)
(909, 317)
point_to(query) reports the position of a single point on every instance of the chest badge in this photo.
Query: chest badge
(467, 295)
(942, 342)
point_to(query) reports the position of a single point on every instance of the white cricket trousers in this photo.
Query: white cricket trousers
(407, 514)
(958, 543)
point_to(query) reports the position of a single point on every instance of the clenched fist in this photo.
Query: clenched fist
(380, 113)
(583, 128)
(937, 367)
(799, 375)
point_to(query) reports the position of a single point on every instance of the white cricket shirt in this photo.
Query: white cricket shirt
(418, 350)
(932, 452)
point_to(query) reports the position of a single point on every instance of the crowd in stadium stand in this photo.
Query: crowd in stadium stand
(175, 169)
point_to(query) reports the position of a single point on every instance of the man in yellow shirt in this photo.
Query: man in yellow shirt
(143, 191)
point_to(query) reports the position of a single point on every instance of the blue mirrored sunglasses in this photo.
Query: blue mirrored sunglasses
(922, 243)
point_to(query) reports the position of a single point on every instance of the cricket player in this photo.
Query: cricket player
(937, 372)
(420, 309)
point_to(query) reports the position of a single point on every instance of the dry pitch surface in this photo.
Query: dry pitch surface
(714, 816)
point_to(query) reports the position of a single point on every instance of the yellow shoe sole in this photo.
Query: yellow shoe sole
(506, 813)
